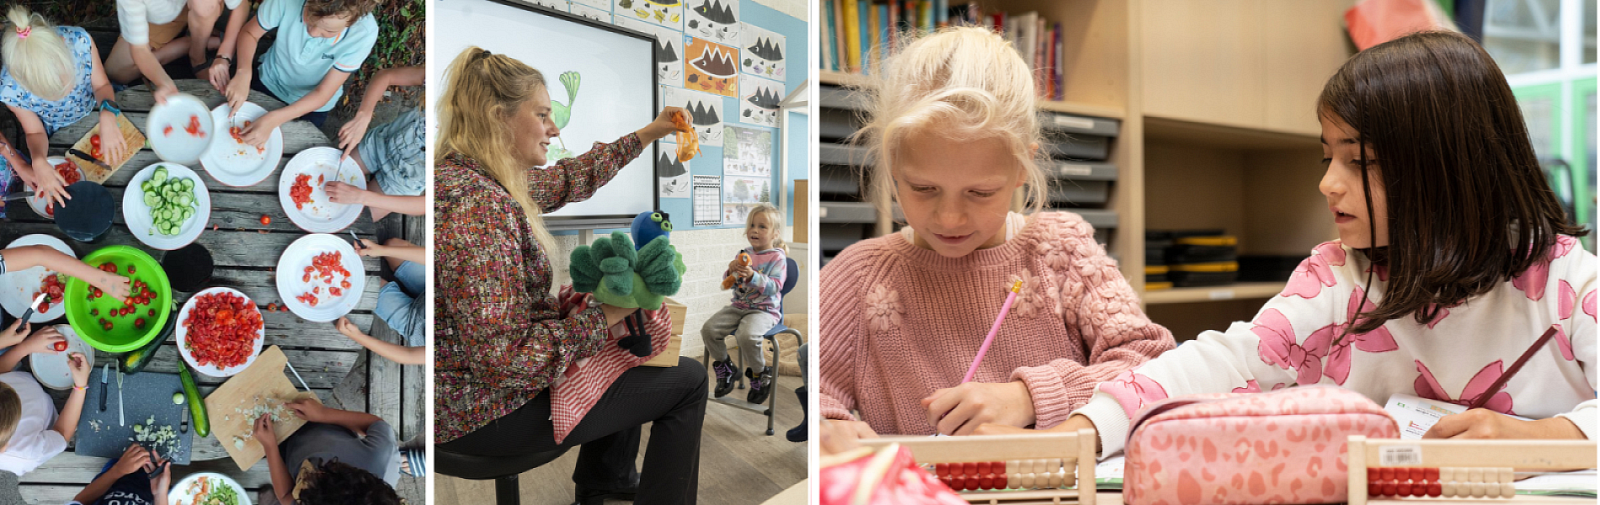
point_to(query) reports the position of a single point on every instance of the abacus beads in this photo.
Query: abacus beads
(1435, 482)
(991, 475)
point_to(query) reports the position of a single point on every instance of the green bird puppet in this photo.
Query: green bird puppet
(620, 276)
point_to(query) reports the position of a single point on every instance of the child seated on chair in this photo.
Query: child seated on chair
(757, 292)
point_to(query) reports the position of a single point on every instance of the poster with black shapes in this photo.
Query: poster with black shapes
(669, 48)
(712, 67)
(705, 113)
(762, 52)
(591, 12)
(673, 175)
(714, 20)
(667, 13)
(759, 100)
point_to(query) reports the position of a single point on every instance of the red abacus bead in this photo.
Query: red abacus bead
(1386, 474)
(1430, 474)
(983, 468)
(945, 479)
(1372, 474)
(958, 482)
(969, 468)
(1435, 488)
(941, 469)
(1391, 488)
(1403, 488)
(1374, 488)
(999, 467)
(1419, 474)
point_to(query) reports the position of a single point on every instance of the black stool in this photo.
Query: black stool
(503, 470)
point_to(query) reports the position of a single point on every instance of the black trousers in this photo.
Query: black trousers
(672, 399)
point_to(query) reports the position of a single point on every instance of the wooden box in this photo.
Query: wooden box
(669, 357)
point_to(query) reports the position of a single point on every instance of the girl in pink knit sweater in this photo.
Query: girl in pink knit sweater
(954, 128)
(1453, 258)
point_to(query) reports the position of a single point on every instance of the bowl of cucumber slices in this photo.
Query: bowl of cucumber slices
(166, 206)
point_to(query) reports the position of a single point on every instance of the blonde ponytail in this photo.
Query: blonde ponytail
(482, 90)
(36, 56)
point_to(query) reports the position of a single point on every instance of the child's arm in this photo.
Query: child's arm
(408, 205)
(25, 257)
(239, 88)
(47, 183)
(257, 133)
(351, 133)
(67, 424)
(218, 73)
(841, 327)
(111, 144)
(312, 411)
(394, 352)
(282, 484)
(134, 458)
(39, 341)
(766, 279)
(408, 252)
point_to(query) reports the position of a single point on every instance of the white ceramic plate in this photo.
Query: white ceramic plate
(292, 283)
(137, 214)
(167, 128)
(181, 494)
(18, 288)
(37, 202)
(51, 368)
(321, 165)
(236, 164)
(182, 329)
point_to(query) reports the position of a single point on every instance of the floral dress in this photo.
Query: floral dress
(500, 337)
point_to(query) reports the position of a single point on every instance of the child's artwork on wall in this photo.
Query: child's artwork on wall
(560, 5)
(588, 11)
(707, 200)
(758, 100)
(672, 174)
(712, 68)
(716, 20)
(669, 48)
(705, 112)
(747, 152)
(601, 5)
(741, 194)
(668, 13)
(763, 52)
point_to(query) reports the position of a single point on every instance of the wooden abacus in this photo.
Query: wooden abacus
(1392, 469)
(1051, 468)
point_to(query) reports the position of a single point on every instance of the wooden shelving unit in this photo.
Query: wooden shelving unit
(1216, 107)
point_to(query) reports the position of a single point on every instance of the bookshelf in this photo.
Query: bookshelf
(1215, 102)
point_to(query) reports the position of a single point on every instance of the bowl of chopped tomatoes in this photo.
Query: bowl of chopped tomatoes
(113, 325)
(180, 130)
(70, 173)
(220, 331)
(320, 277)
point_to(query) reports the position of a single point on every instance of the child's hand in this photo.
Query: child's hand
(15, 334)
(351, 133)
(348, 329)
(260, 131)
(133, 459)
(263, 431)
(1488, 424)
(238, 93)
(339, 192)
(112, 147)
(111, 284)
(217, 75)
(840, 436)
(81, 367)
(43, 341)
(48, 183)
(309, 410)
(961, 409)
(160, 483)
(162, 92)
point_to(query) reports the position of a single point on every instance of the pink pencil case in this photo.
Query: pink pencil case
(1286, 446)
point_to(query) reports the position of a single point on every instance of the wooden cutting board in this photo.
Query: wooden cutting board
(131, 137)
(262, 380)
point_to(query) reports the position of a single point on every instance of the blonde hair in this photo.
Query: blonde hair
(10, 413)
(963, 84)
(481, 91)
(775, 217)
(41, 62)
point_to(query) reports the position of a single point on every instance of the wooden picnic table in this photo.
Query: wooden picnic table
(245, 253)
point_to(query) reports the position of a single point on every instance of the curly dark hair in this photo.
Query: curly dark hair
(337, 483)
(348, 9)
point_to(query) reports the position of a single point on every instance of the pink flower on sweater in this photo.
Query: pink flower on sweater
(1375, 341)
(1532, 281)
(1028, 302)
(883, 308)
(1315, 272)
(1428, 387)
(1053, 255)
(1566, 298)
(1563, 343)
(1443, 313)
(1278, 346)
(1133, 391)
(1589, 305)
(1250, 386)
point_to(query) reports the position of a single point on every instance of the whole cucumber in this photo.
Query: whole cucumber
(197, 405)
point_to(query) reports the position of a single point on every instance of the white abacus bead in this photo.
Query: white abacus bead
(1508, 490)
(1027, 480)
(1449, 489)
(1507, 475)
(1013, 480)
(1477, 489)
(1448, 474)
(1474, 475)
(1491, 490)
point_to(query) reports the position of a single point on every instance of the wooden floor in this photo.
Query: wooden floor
(739, 464)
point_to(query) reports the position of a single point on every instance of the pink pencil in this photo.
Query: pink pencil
(993, 330)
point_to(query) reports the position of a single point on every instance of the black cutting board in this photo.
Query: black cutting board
(146, 394)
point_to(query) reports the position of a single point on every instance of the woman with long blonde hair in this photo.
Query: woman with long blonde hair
(51, 79)
(501, 339)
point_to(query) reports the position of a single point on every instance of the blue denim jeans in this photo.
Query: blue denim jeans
(400, 303)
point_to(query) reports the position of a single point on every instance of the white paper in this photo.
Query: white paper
(759, 99)
(667, 13)
(713, 20)
(672, 175)
(763, 52)
(1416, 415)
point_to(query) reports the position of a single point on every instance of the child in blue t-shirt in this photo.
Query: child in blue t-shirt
(319, 44)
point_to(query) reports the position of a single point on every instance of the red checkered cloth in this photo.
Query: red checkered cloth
(582, 384)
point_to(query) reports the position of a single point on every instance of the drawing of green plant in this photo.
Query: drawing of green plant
(563, 112)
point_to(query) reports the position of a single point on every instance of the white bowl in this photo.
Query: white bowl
(182, 330)
(180, 494)
(18, 288)
(291, 273)
(137, 214)
(177, 145)
(320, 215)
(237, 164)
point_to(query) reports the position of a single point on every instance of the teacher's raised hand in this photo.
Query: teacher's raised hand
(662, 126)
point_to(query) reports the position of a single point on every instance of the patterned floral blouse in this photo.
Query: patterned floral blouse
(499, 335)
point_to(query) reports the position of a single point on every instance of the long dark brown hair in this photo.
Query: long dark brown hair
(1468, 205)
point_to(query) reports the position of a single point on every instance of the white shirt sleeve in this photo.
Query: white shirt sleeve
(133, 19)
(1582, 331)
